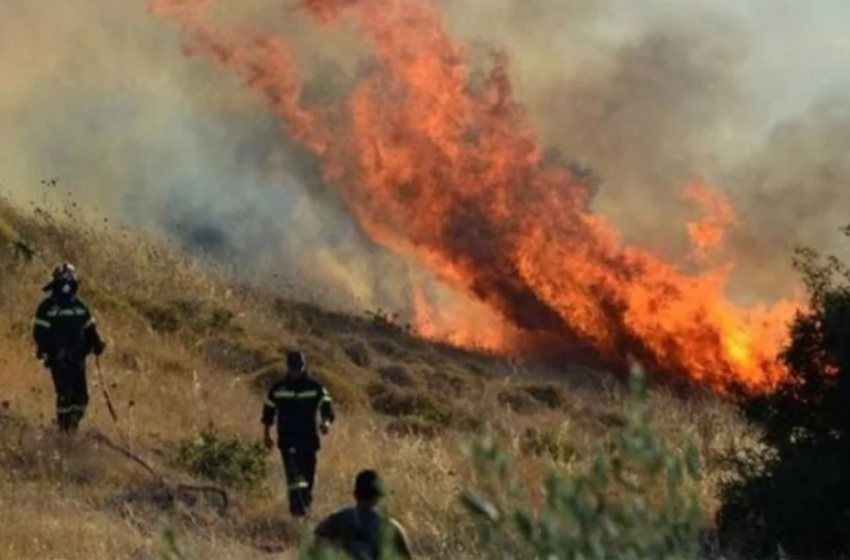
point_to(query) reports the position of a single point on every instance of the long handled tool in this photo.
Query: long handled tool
(104, 390)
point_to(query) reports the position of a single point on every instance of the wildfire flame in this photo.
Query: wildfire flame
(709, 232)
(455, 176)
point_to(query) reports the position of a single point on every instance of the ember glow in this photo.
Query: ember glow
(454, 177)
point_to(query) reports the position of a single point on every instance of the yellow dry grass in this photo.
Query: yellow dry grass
(60, 502)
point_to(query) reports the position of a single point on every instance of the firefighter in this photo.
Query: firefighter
(298, 402)
(363, 531)
(65, 334)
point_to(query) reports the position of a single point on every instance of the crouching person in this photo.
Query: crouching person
(363, 531)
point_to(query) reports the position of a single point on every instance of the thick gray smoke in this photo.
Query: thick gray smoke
(652, 94)
(745, 96)
(101, 96)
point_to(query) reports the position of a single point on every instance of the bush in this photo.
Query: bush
(549, 395)
(397, 375)
(402, 403)
(519, 401)
(797, 494)
(228, 461)
(543, 442)
(636, 500)
(359, 354)
(346, 394)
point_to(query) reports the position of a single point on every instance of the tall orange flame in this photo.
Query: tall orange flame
(455, 177)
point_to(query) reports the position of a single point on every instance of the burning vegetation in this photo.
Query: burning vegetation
(451, 174)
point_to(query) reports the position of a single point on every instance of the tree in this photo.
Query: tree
(796, 494)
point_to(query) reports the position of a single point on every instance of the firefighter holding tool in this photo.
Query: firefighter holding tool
(65, 334)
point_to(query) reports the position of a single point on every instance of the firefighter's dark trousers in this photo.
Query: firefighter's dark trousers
(72, 396)
(300, 467)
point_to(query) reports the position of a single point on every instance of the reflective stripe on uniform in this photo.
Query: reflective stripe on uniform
(71, 408)
(326, 397)
(270, 403)
(42, 323)
(90, 323)
(299, 484)
(71, 312)
(293, 395)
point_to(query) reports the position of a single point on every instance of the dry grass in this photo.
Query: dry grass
(169, 382)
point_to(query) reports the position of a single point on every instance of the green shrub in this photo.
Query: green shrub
(637, 499)
(228, 461)
(546, 442)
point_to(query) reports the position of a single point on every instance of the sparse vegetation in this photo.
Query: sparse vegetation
(546, 442)
(392, 401)
(227, 460)
(636, 499)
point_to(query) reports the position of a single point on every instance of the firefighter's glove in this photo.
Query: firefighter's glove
(99, 348)
(43, 358)
(324, 427)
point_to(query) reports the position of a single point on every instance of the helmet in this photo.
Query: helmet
(65, 271)
(64, 280)
(295, 361)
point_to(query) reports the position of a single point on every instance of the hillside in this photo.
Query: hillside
(187, 348)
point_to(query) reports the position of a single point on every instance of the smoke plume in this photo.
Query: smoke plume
(99, 94)
(648, 98)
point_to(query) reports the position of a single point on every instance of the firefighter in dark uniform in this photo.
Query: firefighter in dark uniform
(65, 334)
(299, 402)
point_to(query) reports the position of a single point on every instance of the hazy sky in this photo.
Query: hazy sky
(802, 49)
